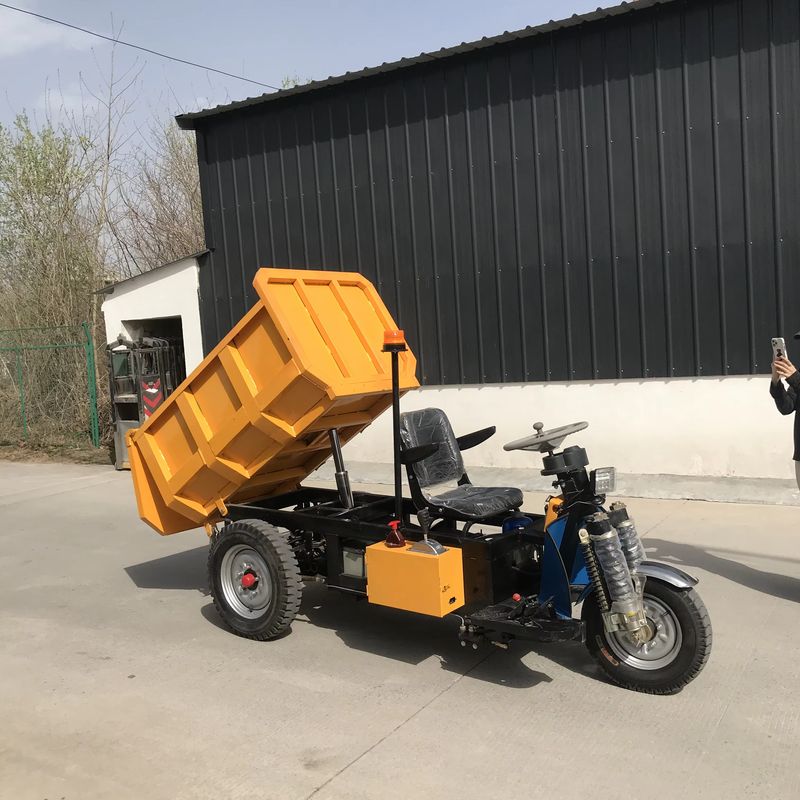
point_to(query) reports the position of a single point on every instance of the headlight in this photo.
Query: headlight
(604, 480)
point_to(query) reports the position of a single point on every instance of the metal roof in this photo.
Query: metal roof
(189, 121)
(109, 287)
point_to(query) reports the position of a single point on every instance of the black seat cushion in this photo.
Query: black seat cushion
(478, 502)
(431, 426)
(445, 466)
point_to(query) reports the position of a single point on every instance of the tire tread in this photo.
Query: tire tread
(702, 621)
(289, 592)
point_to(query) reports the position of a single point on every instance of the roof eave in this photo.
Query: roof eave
(190, 120)
(109, 287)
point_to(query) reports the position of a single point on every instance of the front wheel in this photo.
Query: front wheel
(677, 650)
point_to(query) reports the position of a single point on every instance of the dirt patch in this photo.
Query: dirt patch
(55, 453)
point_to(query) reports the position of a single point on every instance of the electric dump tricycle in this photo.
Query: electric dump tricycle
(314, 362)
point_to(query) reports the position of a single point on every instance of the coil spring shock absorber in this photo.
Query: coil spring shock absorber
(628, 536)
(593, 571)
(626, 610)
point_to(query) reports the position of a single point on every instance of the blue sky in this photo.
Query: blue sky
(43, 65)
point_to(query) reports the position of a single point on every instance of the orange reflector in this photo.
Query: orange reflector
(393, 337)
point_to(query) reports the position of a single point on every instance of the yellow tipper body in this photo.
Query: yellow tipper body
(428, 584)
(253, 419)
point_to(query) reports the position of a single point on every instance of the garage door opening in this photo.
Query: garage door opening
(170, 329)
(146, 364)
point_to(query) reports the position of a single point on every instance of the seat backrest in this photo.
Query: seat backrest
(431, 426)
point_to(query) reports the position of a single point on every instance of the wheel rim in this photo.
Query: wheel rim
(246, 581)
(661, 650)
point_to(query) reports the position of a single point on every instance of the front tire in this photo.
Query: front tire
(677, 652)
(255, 579)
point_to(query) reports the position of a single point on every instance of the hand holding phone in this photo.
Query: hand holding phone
(781, 366)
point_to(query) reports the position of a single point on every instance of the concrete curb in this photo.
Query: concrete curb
(763, 491)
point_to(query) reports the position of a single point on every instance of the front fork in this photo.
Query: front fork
(613, 552)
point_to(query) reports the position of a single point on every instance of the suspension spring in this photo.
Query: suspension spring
(628, 536)
(593, 571)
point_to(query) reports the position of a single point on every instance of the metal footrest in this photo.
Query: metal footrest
(520, 620)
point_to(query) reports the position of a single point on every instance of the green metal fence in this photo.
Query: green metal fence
(52, 371)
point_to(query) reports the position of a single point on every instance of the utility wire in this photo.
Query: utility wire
(135, 46)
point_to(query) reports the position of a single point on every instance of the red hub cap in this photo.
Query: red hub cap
(249, 580)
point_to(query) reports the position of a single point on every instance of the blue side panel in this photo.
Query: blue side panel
(555, 580)
(580, 577)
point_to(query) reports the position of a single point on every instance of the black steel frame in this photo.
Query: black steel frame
(489, 573)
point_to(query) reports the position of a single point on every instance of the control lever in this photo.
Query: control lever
(427, 545)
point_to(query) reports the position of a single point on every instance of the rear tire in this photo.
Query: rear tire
(680, 650)
(255, 579)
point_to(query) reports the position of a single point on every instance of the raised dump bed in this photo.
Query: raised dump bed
(253, 419)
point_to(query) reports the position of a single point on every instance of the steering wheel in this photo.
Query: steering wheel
(545, 441)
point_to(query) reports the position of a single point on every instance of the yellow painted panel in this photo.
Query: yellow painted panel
(248, 446)
(215, 397)
(253, 417)
(204, 486)
(262, 350)
(552, 509)
(359, 306)
(175, 441)
(297, 399)
(308, 344)
(336, 320)
(427, 584)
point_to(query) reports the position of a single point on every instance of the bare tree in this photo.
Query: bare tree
(49, 254)
(49, 259)
(163, 217)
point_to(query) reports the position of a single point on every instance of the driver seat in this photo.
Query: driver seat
(432, 455)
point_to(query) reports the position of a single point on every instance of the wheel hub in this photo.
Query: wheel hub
(655, 646)
(249, 580)
(645, 634)
(246, 581)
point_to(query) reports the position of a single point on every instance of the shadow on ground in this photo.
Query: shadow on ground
(784, 587)
(382, 632)
(412, 639)
(185, 570)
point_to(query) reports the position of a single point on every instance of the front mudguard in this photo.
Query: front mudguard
(656, 570)
(666, 573)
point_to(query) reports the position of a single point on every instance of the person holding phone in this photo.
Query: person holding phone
(787, 398)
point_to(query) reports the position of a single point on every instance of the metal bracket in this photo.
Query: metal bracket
(429, 546)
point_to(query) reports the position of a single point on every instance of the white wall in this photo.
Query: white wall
(169, 291)
(699, 426)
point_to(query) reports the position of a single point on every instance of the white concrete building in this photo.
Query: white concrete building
(162, 302)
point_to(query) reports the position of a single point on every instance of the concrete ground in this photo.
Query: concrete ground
(118, 680)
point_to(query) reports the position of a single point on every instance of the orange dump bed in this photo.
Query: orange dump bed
(253, 419)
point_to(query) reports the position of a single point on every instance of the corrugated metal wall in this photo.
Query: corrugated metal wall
(617, 200)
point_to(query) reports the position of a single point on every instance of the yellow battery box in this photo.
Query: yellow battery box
(427, 584)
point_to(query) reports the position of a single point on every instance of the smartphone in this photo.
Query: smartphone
(778, 348)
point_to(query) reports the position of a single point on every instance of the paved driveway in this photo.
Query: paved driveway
(117, 679)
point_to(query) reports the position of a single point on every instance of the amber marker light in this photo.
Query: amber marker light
(394, 340)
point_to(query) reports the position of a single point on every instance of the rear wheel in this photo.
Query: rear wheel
(255, 580)
(673, 655)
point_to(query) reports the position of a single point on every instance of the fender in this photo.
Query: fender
(668, 574)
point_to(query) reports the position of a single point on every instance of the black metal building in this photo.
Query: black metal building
(612, 196)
